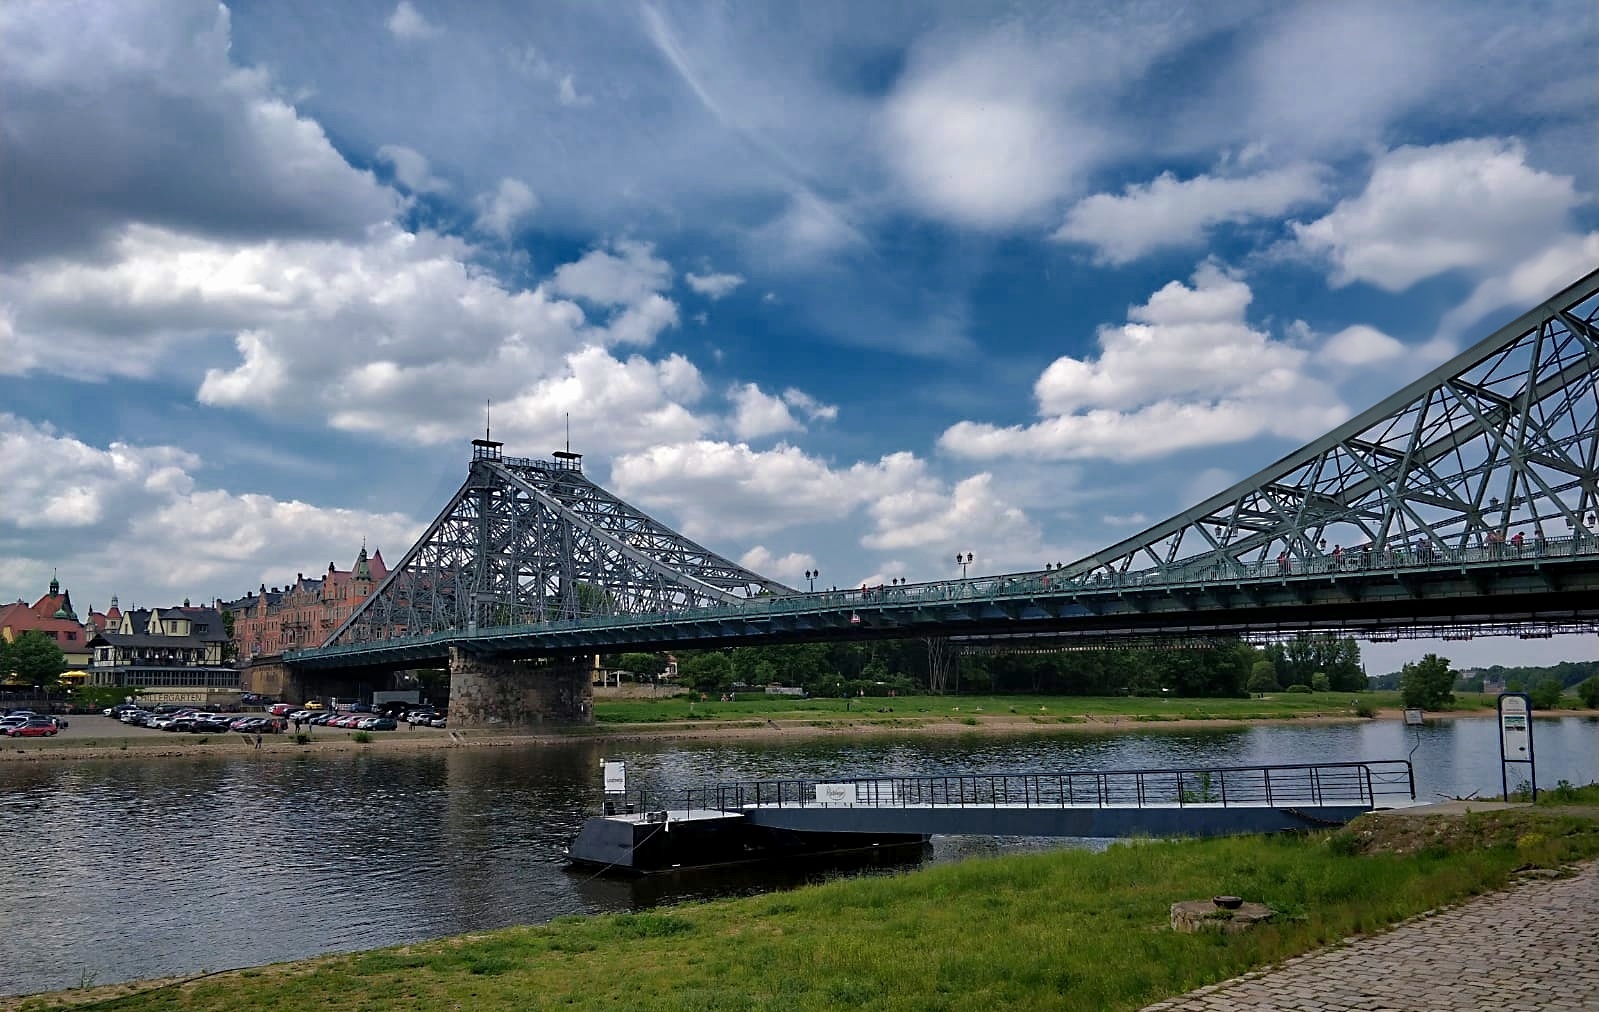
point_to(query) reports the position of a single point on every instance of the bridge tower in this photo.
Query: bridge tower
(535, 544)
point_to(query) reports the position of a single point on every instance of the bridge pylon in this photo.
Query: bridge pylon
(535, 543)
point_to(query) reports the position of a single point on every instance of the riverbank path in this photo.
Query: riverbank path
(1530, 948)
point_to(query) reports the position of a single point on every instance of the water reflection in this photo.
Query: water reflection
(124, 869)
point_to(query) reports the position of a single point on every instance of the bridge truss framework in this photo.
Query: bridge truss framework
(1489, 461)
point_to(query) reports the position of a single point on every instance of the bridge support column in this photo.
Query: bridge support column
(490, 693)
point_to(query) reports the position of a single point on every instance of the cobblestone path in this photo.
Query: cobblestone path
(1530, 948)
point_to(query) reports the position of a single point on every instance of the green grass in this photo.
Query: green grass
(926, 709)
(1066, 929)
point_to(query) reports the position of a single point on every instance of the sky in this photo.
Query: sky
(829, 286)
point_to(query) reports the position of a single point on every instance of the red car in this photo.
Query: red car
(33, 729)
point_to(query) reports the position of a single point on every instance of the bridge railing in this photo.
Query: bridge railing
(1362, 783)
(1198, 573)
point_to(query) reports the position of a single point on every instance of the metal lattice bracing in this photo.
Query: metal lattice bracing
(1498, 442)
(532, 542)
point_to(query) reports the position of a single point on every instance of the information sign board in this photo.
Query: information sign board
(615, 776)
(835, 794)
(1515, 739)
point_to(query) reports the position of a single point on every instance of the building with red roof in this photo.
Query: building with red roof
(52, 616)
(303, 613)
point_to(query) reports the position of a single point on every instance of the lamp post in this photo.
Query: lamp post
(963, 561)
(811, 575)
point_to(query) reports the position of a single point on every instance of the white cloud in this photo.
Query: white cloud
(713, 285)
(1468, 205)
(729, 491)
(500, 211)
(813, 409)
(92, 105)
(567, 94)
(1170, 212)
(629, 275)
(1186, 370)
(757, 414)
(808, 228)
(411, 169)
(1182, 341)
(979, 136)
(531, 63)
(1323, 75)
(68, 499)
(1361, 345)
(971, 513)
(1527, 283)
(790, 568)
(407, 23)
(400, 336)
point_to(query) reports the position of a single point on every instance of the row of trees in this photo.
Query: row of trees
(1430, 684)
(31, 659)
(1225, 668)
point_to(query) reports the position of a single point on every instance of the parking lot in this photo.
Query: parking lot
(83, 726)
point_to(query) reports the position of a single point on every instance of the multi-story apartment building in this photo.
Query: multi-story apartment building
(305, 612)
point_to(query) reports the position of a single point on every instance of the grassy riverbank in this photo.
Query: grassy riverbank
(1058, 930)
(976, 709)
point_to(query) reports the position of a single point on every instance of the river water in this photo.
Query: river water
(115, 869)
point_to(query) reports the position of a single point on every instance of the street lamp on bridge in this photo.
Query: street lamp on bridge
(810, 576)
(963, 561)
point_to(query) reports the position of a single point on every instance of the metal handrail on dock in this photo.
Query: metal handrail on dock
(1373, 784)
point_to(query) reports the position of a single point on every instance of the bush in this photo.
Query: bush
(1319, 682)
(302, 738)
(1365, 710)
(362, 736)
(1546, 694)
(1300, 687)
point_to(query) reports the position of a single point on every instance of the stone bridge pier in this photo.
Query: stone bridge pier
(488, 693)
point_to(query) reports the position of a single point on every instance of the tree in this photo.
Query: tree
(1319, 682)
(230, 649)
(1263, 677)
(1546, 694)
(1427, 684)
(648, 665)
(35, 659)
(1588, 692)
(707, 672)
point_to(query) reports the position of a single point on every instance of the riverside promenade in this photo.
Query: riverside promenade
(1531, 947)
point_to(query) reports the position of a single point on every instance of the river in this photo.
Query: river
(117, 869)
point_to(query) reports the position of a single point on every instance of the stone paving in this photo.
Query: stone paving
(1530, 948)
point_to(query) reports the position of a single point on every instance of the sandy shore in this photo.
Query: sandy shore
(108, 740)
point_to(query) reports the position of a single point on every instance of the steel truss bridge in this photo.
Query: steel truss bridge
(1463, 505)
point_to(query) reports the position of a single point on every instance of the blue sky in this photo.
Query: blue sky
(837, 286)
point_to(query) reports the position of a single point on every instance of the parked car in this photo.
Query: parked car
(9, 722)
(281, 709)
(315, 704)
(360, 707)
(437, 721)
(32, 729)
(383, 724)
